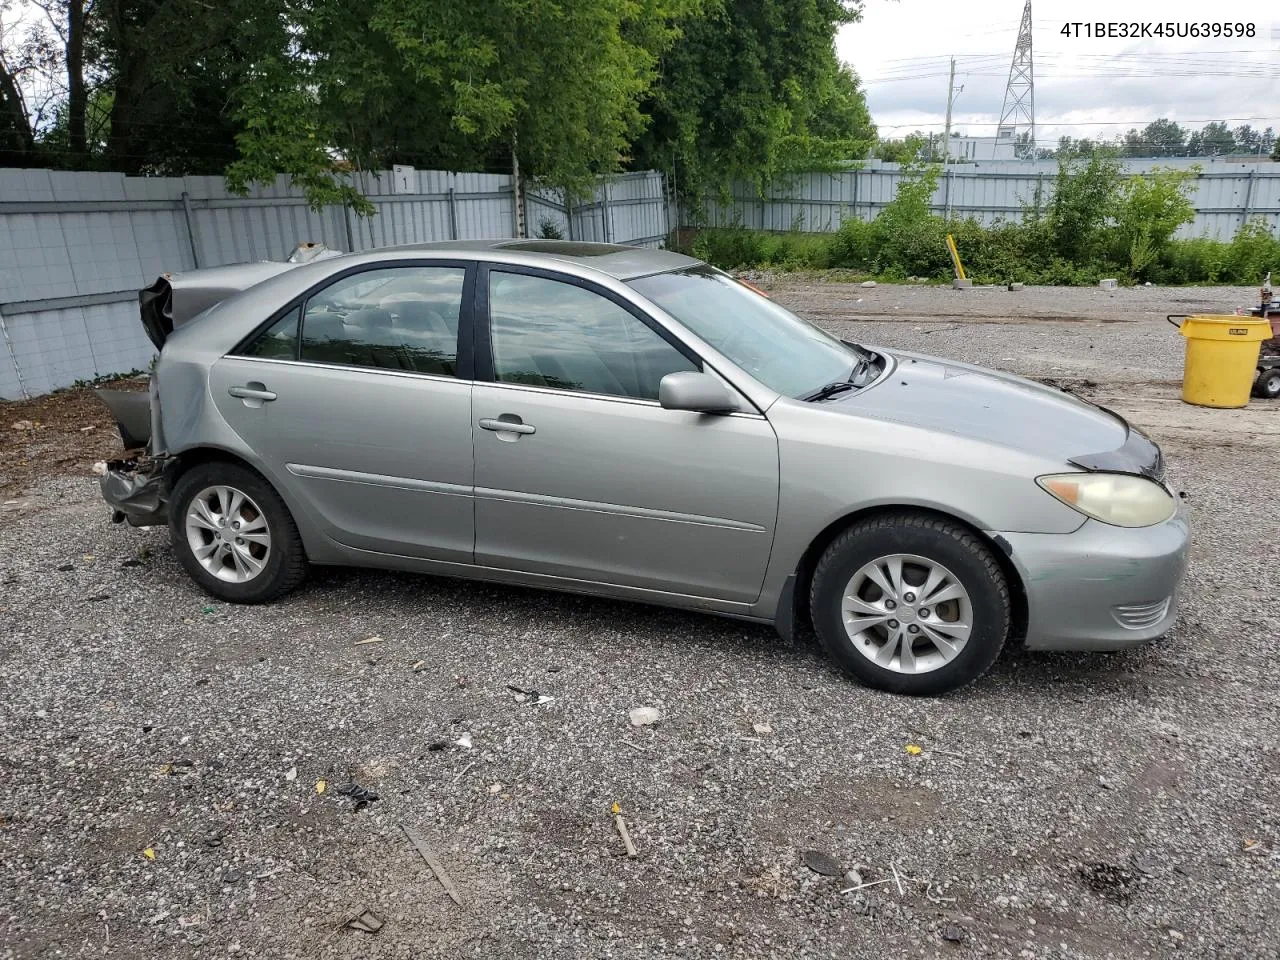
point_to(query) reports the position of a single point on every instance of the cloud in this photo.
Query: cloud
(1084, 87)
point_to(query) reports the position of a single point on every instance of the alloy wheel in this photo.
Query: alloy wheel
(907, 613)
(228, 534)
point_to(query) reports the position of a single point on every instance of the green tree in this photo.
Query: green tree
(1148, 211)
(1256, 142)
(1212, 140)
(1160, 138)
(753, 90)
(554, 86)
(171, 66)
(138, 86)
(33, 78)
(1085, 147)
(912, 147)
(908, 238)
(1084, 199)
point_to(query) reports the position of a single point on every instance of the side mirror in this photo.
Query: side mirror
(698, 392)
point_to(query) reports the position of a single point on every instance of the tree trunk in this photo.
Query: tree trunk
(517, 187)
(77, 95)
(123, 148)
(17, 142)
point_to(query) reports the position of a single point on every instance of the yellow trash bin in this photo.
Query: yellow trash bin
(1222, 358)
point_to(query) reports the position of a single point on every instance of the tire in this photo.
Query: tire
(845, 590)
(1267, 385)
(247, 569)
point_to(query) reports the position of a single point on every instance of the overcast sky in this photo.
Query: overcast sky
(1083, 87)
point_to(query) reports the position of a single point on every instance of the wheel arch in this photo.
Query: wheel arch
(186, 460)
(195, 456)
(794, 606)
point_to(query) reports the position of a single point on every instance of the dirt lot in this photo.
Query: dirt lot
(160, 753)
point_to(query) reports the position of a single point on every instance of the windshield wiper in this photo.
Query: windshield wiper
(852, 382)
(830, 390)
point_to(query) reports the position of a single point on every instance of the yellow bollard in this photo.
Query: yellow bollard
(1222, 356)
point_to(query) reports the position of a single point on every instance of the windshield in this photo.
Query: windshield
(783, 352)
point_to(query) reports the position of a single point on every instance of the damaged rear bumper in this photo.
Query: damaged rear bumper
(135, 487)
(137, 490)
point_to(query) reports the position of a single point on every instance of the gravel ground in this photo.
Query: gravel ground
(1066, 806)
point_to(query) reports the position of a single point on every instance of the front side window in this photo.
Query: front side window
(782, 351)
(548, 333)
(399, 318)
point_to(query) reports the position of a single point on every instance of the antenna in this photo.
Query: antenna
(1019, 113)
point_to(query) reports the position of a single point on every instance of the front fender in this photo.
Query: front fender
(823, 481)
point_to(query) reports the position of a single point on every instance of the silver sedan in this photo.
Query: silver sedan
(639, 425)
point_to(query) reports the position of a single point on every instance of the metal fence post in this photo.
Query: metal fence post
(17, 369)
(604, 212)
(1248, 197)
(191, 233)
(453, 214)
(568, 213)
(674, 210)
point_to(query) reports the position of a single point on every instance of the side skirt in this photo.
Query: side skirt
(466, 571)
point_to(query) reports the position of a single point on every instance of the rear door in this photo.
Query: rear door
(580, 472)
(358, 398)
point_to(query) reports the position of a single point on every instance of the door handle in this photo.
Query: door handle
(507, 426)
(251, 393)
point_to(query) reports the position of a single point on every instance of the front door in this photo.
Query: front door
(354, 400)
(580, 473)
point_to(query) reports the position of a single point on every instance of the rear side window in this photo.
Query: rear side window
(279, 341)
(400, 318)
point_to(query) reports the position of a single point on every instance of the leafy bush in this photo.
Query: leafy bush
(1198, 260)
(853, 246)
(1085, 198)
(730, 247)
(1253, 252)
(906, 240)
(1148, 210)
(548, 229)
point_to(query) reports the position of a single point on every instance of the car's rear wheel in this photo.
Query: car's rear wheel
(911, 603)
(1268, 384)
(234, 535)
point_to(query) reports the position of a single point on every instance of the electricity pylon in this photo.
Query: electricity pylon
(1019, 113)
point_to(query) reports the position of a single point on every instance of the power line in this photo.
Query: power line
(1193, 55)
(1094, 123)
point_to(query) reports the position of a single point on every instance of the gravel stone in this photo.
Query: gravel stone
(988, 841)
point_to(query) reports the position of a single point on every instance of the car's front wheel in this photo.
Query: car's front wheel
(911, 603)
(234, 535)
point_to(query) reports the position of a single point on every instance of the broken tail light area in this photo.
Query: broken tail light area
(137, 490)
(136, 487)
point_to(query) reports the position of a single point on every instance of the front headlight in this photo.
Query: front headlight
(1120, 499)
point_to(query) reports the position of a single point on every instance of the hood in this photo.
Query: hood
(999, 408)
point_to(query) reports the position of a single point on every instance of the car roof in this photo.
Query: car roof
(614, 259)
